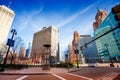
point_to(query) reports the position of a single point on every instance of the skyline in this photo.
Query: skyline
(31, 16)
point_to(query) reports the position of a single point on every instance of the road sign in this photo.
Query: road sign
(76, 51)
(10, 42)
(0, 58)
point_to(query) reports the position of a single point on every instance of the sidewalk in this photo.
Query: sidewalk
(34, 70)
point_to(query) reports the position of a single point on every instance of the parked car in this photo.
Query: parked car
(91, 65)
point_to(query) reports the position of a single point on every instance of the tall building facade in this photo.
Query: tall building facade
(22, 52)
(110, 43)
(6, 19)
(28, 51)
(100, 16)
(89, 53)
(49, 35)
(72, 48)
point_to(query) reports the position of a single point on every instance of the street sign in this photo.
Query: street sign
(76, 51)
(10, 42)
(0, 58)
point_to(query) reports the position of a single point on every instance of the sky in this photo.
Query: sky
(66, 15)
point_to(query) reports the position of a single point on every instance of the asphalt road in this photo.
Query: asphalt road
(97, 72)
(58, 76)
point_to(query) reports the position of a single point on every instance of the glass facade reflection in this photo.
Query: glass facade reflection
(112, 39)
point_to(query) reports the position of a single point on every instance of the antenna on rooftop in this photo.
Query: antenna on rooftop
(10, 2)
(98, 9)
(103, 5)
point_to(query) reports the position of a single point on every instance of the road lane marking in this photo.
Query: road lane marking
(109, 75)
(79, 76)
(59, 77)
(21, 77)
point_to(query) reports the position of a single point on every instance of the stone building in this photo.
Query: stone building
(100, 16)
(72, 48)
(46, 36)
(6, 19)
(22, 52)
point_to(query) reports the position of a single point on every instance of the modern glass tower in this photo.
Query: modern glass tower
(89, 53)
(108, 45)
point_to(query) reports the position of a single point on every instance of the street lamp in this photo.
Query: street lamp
(76, 52)
(67, 60)
(48, 55)
(111, 64)
(14, 32)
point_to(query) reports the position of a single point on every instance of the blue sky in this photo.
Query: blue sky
(66, 15)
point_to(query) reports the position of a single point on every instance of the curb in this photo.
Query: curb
(25, 73)
(75, 70)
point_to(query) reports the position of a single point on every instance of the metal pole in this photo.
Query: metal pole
(14, 33)
(77, 61)
(8, 51)
(110, 59)
(68, 62)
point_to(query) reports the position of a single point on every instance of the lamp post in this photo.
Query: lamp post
(68, 61)
(48, 55)
(111, 62)
(13, 31)
(76, 52)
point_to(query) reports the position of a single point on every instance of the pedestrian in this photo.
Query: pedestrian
(117, 66)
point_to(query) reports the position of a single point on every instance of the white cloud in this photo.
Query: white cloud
(26, 19)
(71, 18)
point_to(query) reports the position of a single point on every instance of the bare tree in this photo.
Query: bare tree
(3, 50)
(18, 43)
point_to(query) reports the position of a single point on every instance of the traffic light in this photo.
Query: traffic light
(66, 55)
(116, 9)
(80, 47)
(117, 16)
(119, 24)
(86, 45)
(116, 12)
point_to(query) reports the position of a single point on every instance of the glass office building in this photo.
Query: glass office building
(109, 43)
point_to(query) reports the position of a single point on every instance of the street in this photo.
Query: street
(52, 76)
(82, 73)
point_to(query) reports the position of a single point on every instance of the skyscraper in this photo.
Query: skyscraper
(89, 53)
(49, 35)
(28, 50)
(109, 44)
(22, 52)
(72, 54)
(100, 16)
(6, 19)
